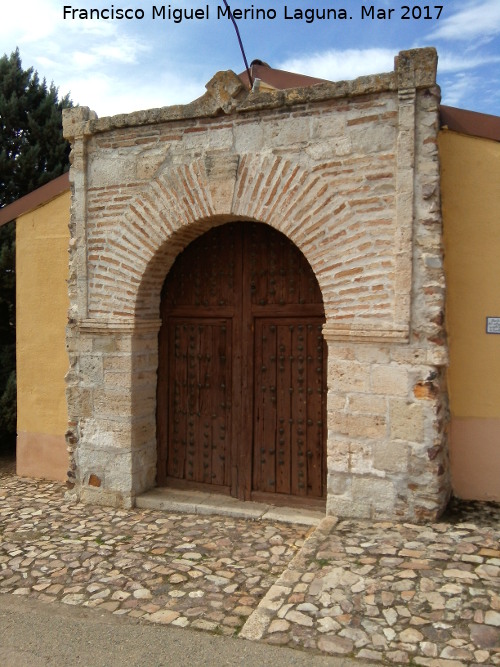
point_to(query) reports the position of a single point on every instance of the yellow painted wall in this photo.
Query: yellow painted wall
(42, 238)
(470, 190)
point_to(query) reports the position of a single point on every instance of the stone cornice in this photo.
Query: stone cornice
(226, 94)
(366, 333)
(130, 325)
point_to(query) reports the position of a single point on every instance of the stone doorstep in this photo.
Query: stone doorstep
(198, 502)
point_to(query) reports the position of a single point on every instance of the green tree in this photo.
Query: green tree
(32, 152)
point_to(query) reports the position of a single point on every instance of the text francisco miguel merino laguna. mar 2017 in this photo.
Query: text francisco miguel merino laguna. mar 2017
(177, 14)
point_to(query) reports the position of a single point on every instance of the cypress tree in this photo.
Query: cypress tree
(32, 152)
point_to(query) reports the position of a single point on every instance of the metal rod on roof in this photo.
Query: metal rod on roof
(240, 43)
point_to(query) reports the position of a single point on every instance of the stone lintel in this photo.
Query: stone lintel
(99, 326)
(366, 333)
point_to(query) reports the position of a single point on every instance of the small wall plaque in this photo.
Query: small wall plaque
(493, 325)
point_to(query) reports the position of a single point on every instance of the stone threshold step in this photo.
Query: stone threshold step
(199, 502)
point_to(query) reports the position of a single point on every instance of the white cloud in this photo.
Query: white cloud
(82, 59)
(337, 65)
(475, 20)
(458, 89)
(39, 20)
(454, 62)
(107, 95)
(118, 51)
(125, 51)
(36, 21)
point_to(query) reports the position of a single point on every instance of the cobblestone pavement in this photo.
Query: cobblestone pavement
(384, 592)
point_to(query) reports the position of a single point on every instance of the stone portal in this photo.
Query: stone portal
(349, 173)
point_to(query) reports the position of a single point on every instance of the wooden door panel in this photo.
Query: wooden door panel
(289, 407)
(199, 400)
(265, 408)
(284, 408)
(315, 423)
(206, 274)
(278, 273)
(241, 374)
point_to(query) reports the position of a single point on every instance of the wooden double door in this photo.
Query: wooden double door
(242, 379)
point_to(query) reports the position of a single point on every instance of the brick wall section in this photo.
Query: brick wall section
(327, 207)
(349, 172)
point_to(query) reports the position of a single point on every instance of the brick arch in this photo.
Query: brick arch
(156, 215)
(182, 202)
(216, 189)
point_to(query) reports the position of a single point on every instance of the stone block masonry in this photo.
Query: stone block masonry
(349, 172)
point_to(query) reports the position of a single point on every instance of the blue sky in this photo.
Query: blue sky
(117, 66)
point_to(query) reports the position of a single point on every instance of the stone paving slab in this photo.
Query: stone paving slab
(393, 593)
(206, 572)
(198, 502)
(377, 591)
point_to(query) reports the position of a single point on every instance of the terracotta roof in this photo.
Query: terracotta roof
(34, 199)
(470, 122)
(278, 78)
